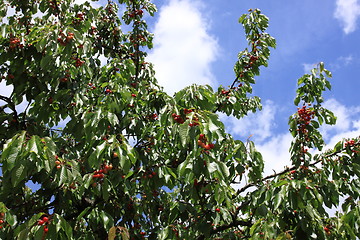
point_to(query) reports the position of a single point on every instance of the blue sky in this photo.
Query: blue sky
(197, 41)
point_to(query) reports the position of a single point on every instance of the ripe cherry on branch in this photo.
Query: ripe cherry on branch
(178, 118)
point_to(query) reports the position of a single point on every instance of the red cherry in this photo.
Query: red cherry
(209, 146)
(41, 222)
(217, 210)
(46, 229)
(45, 219)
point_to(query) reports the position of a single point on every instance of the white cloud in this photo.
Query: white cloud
(341, 62)
(347, 12)
(341, 112)
(93, 4)
(347, 125)
(346, 60)
(276, 153)
(183, 48)
(274, 146)
(308, 67)
(258, 125)
(261, 127)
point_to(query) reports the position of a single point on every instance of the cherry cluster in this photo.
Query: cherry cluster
(149, 174)
(195, 122)
(15, 42)
(137, 12)
(225, 92)
(78, 18)
(93, 30)
(202, 142)
(153, 116)
(92, 86)
(327, 229)
(63, 39)
(2, 215)
(195, 119)
(350, 143)
(53, 4)
(42, 221)
(63, 79)
(305, 115)
(57, 161)
(252, 60)
(108, 91)
(178, 118)
(137, 38)
(78, 62)
(100, 173)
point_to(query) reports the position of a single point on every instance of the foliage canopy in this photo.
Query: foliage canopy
(132, 162)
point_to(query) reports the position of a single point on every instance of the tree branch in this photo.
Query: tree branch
(290, 169)
(221, 228)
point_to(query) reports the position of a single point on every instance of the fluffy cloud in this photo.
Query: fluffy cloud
(341, 62)
(347, 12)
(347, 125)
(183, 48)
(274, 145)
(258, 125)
(308, 67)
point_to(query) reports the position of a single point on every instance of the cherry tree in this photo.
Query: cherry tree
(113, 156)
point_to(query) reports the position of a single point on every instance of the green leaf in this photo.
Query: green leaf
(18, 175)
(106, 219)
(11, 219)
(63, 175)
(64, 225)
(262, 210)
(281, 183)
(11, 151)
(184, 132)
(41, 44)
(278, 199)
(45, 61)
(224, 169)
